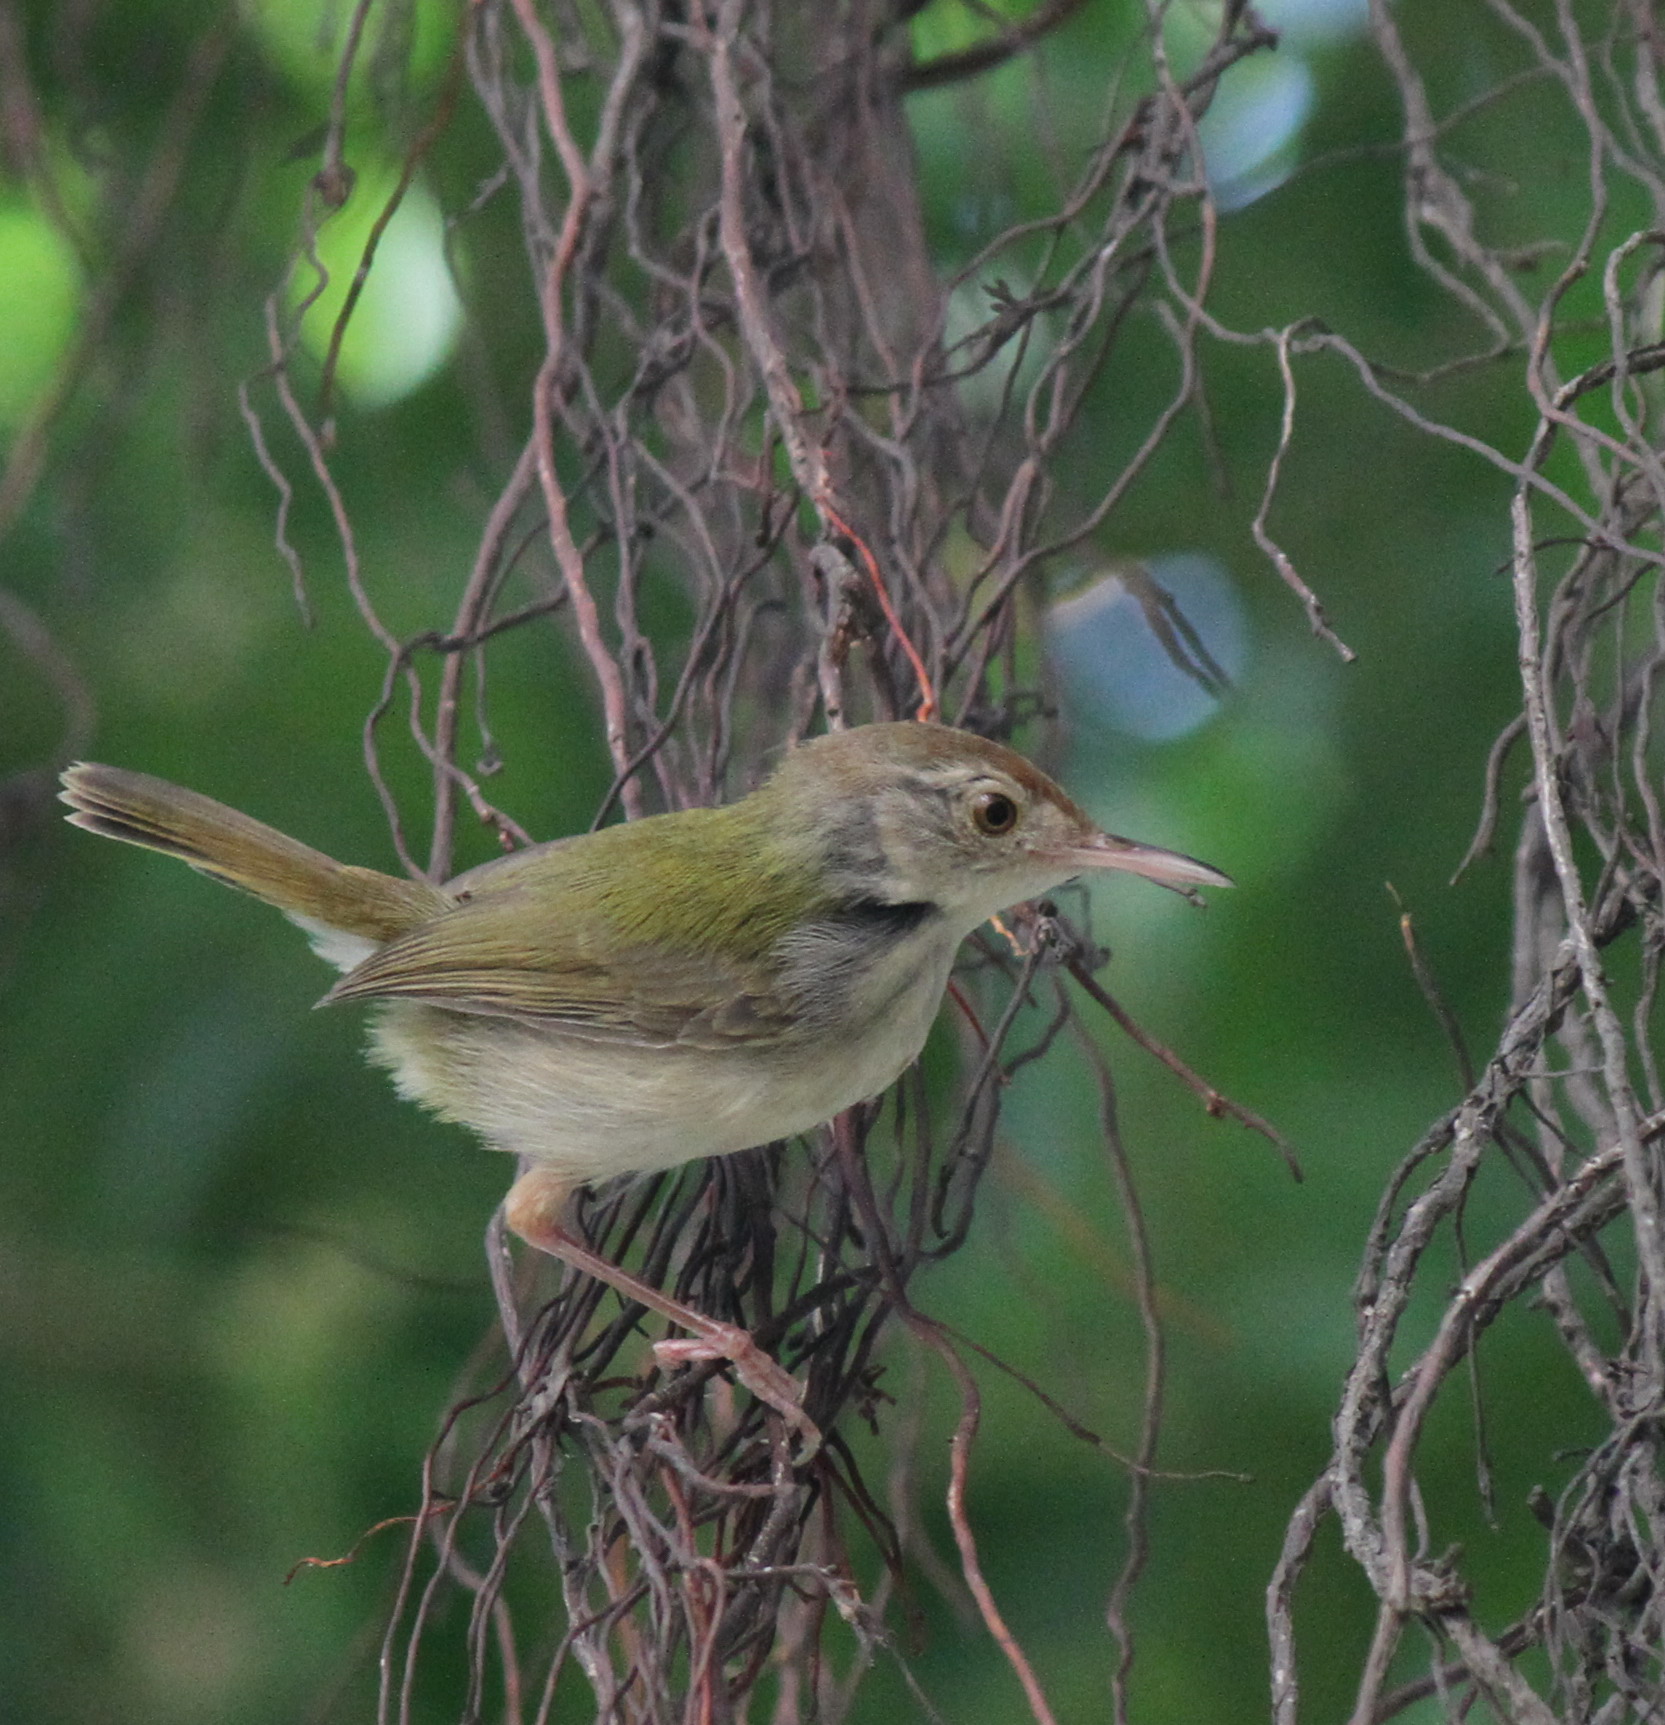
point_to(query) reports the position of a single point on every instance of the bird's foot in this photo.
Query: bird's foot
(757, 1369)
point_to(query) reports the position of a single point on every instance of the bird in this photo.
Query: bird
(685, 985)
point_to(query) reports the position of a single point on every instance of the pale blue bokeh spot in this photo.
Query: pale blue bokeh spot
(1250, 132)
(1115, 669)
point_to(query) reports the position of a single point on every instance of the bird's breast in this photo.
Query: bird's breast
(864, 997)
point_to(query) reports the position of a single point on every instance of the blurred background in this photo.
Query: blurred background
(239, 1280)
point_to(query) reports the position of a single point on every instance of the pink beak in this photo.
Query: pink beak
(1167, 868)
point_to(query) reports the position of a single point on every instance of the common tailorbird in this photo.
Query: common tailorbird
(686, 985)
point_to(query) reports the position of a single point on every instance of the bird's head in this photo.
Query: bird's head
(916, 813)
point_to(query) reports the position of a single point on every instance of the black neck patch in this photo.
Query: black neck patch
(874, 916)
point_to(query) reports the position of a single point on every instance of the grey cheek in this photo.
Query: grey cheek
(854, 857)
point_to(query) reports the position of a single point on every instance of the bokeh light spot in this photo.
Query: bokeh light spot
(1131, 661)
(405, 323)
(40, 291)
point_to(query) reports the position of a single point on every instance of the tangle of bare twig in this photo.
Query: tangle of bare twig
(1589, 871)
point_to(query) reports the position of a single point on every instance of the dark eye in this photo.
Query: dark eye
(993, 813)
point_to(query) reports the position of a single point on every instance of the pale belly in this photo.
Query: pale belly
(595, 1109)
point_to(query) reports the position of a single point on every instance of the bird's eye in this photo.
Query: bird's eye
(993, 813)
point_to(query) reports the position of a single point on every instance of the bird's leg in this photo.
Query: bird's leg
(536, 1210)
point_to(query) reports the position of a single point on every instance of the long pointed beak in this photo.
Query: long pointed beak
(1167, 868)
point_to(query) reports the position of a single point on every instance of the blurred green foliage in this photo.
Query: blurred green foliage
(238, 1280)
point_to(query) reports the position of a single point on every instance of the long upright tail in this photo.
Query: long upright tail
(325, 897)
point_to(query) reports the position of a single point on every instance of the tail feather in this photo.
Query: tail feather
(242, 852)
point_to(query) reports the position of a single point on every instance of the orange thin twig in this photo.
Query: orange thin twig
(351, 1556)
(927, 708)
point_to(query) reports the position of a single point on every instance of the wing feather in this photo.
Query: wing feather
(548, 952)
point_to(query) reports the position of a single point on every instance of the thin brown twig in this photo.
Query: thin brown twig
(1214, 1102)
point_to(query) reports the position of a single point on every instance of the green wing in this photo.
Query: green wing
(633, 934)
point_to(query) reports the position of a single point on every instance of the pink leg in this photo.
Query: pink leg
(535, 1207)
